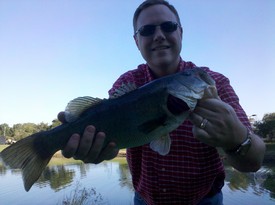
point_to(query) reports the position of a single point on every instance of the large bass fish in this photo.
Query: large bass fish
(131, 117)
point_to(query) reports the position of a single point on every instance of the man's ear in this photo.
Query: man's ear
(136, 40)
(181, 32)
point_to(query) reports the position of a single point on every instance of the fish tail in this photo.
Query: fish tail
(25, 155)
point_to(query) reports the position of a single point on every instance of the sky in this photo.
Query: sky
(54, 51)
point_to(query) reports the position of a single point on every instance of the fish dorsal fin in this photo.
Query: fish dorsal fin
(78, 106)
(123, 89)
(161, 145)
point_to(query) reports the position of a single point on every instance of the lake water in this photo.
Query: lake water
(110, 183)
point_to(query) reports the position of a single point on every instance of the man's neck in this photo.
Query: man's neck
(164, 70)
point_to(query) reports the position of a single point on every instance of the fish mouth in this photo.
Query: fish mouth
(176, 106)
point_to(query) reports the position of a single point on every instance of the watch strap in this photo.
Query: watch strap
(243, 148)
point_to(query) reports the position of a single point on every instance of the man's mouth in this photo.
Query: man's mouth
(158, 48)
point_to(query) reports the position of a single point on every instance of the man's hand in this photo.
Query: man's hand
(88, 147)
(216, 124)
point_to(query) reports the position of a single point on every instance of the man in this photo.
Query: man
(192, 172)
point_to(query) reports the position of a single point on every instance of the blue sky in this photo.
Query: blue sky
(54, 51)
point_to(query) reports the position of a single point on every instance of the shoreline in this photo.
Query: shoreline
(121, 153)
(269, 155)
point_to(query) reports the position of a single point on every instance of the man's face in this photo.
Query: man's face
(161, 50)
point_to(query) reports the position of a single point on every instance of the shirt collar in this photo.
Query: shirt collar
(181, 67)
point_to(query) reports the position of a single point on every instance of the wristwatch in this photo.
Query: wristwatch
(243, 148)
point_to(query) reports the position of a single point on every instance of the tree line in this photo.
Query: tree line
(264, 128)
(20, 131)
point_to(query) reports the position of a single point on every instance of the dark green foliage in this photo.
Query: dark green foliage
(266, 127)
(20, 131)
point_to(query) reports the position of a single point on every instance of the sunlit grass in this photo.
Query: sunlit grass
(3, 147)
(58, 158)
(55, 161)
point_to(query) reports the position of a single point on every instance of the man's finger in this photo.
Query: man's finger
(61, 117)
(71, 147)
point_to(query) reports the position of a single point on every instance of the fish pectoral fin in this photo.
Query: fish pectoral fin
(161, 145)
(78, 106)
(211, 92)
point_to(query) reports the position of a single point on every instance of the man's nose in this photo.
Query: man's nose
(159, 34)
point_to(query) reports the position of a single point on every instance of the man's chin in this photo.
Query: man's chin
(163, 63)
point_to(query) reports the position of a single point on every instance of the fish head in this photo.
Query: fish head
(187, 87)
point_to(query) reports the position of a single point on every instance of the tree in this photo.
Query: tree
(42, 126)
(55, 123)
(19, 131)
(266, 127)
(5, 130)
(23, 130)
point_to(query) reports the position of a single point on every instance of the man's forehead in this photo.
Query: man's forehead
(155, 14)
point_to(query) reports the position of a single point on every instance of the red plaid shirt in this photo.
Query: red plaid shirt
(192, 169)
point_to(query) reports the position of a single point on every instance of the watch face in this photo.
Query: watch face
(244, 147)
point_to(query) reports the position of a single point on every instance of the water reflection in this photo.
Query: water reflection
(3, 170)
(125, 176)
(57, 177)
(114, 177)
(266, 178)
(260, 182)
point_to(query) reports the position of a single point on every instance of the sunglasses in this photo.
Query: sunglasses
(148, 30)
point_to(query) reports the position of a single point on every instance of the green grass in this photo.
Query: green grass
(58, 158)
(3, 147)
(270, 149)
(270, 145)
(62, 160)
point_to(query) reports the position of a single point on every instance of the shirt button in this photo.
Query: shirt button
(164, 190)
(163, 169)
